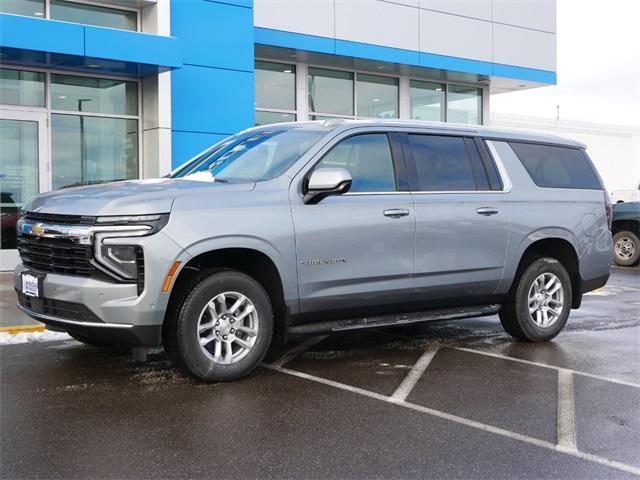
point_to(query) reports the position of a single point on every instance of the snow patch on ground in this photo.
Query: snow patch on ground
(28, 337)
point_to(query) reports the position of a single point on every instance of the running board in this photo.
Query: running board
(396, 319)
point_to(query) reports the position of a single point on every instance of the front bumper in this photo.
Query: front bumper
(147, 335)
(104, 309)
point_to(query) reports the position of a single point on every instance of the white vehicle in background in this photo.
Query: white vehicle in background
(619, 196)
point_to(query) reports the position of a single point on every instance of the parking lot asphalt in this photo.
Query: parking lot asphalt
(455, 399)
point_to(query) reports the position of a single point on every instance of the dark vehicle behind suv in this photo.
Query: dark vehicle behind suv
(626, 233)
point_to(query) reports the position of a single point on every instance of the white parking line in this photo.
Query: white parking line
(463, 421)
(297, 350)
(545, 365)
(404, 389)
(566, 413)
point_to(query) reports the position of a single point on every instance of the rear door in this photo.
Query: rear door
(356, 250)
(462, 219)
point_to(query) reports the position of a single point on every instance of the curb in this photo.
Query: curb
(14, 330)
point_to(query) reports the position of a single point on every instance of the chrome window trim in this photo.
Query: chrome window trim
(507, 185)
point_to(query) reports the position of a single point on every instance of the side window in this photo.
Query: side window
(442, 163)
(492, 170)
(557, 167)
(368, 159)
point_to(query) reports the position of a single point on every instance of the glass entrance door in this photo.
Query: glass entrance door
(23, 173)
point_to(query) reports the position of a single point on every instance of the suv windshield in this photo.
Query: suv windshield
(251, 157)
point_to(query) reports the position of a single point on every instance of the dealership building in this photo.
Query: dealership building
(93, 91)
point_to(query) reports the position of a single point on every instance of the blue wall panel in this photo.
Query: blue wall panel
(212, 94)
(132, 47)
(211, 100)
(41, 35)
(216, 34)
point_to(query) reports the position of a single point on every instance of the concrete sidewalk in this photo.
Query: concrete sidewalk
(10, 316)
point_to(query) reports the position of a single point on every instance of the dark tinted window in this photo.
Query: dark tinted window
(557, 167)
(368, 159)
(476, 164)
(492, 170)
(442, 163)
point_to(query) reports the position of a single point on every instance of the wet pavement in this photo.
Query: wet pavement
(456, 399)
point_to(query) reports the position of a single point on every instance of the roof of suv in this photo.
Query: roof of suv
(486, 132)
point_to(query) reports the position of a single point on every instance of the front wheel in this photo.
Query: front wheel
(538, 306)
(223, 329)
(626, 248)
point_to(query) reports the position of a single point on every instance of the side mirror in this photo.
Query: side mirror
(324, 182)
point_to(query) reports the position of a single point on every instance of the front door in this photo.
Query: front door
(23, 173)
(356, 250)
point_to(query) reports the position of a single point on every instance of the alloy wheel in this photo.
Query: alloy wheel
(228, 328)
(546, 300)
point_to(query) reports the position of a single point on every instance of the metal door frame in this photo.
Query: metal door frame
(9, 258)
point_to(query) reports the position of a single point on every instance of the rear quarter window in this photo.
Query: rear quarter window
(557, 167)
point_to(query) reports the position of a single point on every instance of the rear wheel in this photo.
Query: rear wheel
(223, 329)
(626, 248)
(538, 306)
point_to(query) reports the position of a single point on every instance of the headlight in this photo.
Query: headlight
(156, 222)
(122, 259)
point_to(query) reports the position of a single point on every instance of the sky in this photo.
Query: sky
(598, 66)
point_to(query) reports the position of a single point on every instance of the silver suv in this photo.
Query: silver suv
(320, 226)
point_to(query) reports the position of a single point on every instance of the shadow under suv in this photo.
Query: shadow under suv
(320, 226)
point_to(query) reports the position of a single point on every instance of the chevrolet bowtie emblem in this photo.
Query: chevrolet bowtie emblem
(37, 229)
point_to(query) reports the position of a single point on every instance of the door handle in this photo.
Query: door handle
(487, 211)
(396, 212)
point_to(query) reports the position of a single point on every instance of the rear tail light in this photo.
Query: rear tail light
(609, 208)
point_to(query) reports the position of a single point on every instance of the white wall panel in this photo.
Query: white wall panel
(536, 14)
(455, 36)
(525, 48)
(311, 17)
(480, 9)
(409, 3)
(380, 23)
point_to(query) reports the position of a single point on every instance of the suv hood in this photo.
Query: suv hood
(132, 197)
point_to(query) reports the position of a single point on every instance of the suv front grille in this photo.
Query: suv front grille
(56, 255)
(59, 219)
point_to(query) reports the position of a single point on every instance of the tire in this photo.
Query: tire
(222, 289)
(626, 248)
(515, 314)
(92, 341)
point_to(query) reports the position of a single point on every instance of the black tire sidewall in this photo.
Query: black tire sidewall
(194, 360)
(633, 260)
(531, 331)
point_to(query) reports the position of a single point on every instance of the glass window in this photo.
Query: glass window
(96, 95)
(266, 118)
(18, 173)
(31, 8)
(330, 91)
(557, 167)
(275, 85)
(377, 96)
(254, 156)
(442, 163)
(94, 15)
(89, 150)
(19, 87)
(368, 159)
(464, 104)
(427, 101)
